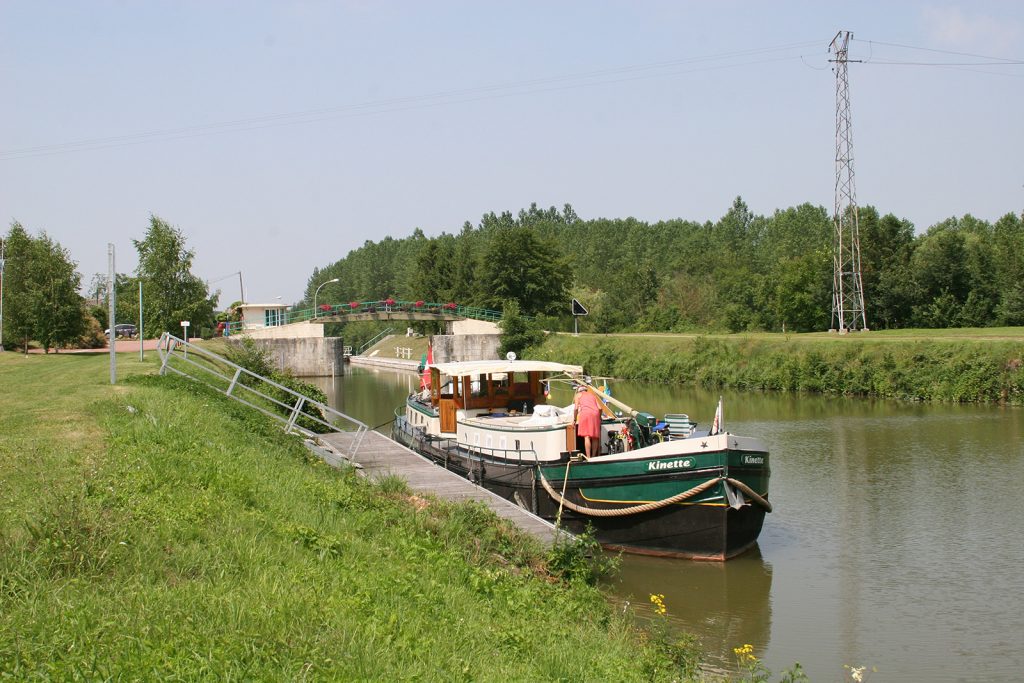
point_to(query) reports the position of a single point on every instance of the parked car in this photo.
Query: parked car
(123, 330)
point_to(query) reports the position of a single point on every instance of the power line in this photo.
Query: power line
(593, 78)
(1003, 63)
(953, 66)
(944, 52)
(989, 60)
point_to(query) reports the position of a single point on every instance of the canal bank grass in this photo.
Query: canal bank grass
(154, 530)
(925, 365)
(385, 348)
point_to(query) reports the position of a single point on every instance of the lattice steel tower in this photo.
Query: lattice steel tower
(847, 284)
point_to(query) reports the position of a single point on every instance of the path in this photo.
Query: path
(123, 346)
(379, 456)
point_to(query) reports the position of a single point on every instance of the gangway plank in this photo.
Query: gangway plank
(379, 457)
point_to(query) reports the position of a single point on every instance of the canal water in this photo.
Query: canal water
(897, 540)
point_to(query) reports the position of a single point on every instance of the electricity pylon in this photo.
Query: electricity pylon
(847, 285)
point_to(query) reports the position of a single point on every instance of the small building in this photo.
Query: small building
(272, 321)
(260, 316)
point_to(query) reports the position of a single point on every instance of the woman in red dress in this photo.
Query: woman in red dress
(588, 420)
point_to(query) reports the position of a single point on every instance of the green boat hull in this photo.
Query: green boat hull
(624, 502)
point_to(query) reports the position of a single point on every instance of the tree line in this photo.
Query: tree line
(741, 272)
(42, 303)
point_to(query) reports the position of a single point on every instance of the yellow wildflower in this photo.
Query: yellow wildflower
(658, 600)
(745, 653)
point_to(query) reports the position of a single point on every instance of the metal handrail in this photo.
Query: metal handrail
(204, 366)
(373, 341)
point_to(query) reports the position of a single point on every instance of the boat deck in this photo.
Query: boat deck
(379, 456)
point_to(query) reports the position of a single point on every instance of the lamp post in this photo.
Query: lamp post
(315, 309)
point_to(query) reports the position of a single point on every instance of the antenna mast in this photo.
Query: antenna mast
(847, 285)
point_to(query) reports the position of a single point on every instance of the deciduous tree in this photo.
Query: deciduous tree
(522, 267)
(171, 293)
(41, 300)
(517, 334)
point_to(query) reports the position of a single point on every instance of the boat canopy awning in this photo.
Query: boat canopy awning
(492, 367)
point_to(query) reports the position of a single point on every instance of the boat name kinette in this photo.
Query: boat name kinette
(670, 465)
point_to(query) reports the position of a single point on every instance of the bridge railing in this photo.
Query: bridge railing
(382, 306)
(399, 306)
(294, 411)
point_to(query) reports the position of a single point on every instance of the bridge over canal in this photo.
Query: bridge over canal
(296, 341)
(387, 310)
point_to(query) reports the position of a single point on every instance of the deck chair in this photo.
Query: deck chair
(679, 425)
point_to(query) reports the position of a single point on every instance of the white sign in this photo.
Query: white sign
(185, 323)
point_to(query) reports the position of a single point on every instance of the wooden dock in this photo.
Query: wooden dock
(379, 456)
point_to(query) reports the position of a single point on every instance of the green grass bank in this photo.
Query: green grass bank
(946, 365)
(153, 530)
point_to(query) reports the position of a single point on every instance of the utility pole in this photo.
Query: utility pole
(2, 245)
(111, 307)
(241, 287)
(848, 312)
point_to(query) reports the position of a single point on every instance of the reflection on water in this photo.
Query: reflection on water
(726, 604)
(369, 394)
(895, 541)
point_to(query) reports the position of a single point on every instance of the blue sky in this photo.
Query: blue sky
(280, 135)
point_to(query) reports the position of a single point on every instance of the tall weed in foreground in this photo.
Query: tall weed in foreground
(580, 559)
(257, 359)
(677, 655)
(754, 670)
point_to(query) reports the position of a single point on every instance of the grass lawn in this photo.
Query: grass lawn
(154, 530)
(385, 348)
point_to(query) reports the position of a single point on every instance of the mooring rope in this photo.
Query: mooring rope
(647, 507)
(384, 423)
(562, 501)
(621, 512)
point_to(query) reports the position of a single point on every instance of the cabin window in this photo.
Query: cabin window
(447, 389)
(521, 385)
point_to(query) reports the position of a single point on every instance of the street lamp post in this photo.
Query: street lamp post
(315, 309)
(141, 336)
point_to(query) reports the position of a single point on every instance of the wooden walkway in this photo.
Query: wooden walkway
(379, 456)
